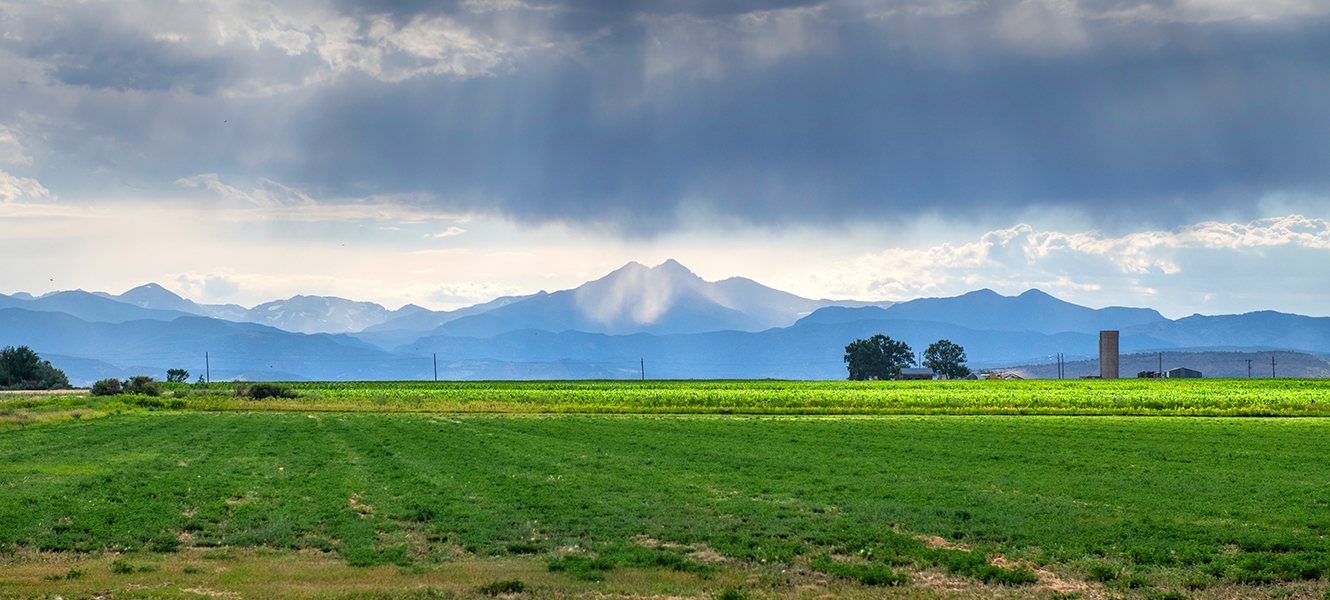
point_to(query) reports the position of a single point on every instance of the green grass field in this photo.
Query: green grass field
(1146, 506)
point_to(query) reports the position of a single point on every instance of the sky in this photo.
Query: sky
(1170, 153)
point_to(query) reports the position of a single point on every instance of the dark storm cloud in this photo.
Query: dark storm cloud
(868, 130)
(97, 48)
(633, 114)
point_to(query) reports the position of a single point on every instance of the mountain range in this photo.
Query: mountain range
(666, 299)
(987, 310)
(663, 320)
(303, 314)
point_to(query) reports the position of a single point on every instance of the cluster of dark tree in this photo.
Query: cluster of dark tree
(22, 369)
(259, 391)
(140, 385)
(880, 357)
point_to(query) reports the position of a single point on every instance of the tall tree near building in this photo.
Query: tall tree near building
(878, 357)
(946, 358)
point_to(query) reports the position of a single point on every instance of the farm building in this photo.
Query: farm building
(910, 373)
(1183, 372)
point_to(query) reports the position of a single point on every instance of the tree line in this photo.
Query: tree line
(880, 357)
(22, 369)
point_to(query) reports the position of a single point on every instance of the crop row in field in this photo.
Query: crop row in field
(1153, 502)
(1224, 397)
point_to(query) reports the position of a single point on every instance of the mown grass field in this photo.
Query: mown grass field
(796, 506)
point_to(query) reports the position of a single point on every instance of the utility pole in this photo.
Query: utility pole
(436, 366)
(1249, 368)
(644, 368)
(1272, 365)
(207, 367)
(1161, 364)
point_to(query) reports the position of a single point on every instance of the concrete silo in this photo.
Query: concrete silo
(1108, 354)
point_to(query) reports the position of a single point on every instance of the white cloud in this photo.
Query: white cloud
(1021, 257)
(11, 151)
(206, 288)
(212, 182)
(11, 188)
(374, 45)
(449, 232)
(1140, 252)
(467, 293)
(319, 43)
(268, 193)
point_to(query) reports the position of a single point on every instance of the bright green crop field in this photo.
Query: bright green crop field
(1213, 397)
(751, 505)
(1162, 397)
(1155, 397)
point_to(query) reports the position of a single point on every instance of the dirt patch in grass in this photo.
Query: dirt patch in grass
(851, 559)
(699, 552)
(646, 541)
(935, 542)
(943, 582)
(1050, 580)
(210, 593)
(706, 556)
(366, 511)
